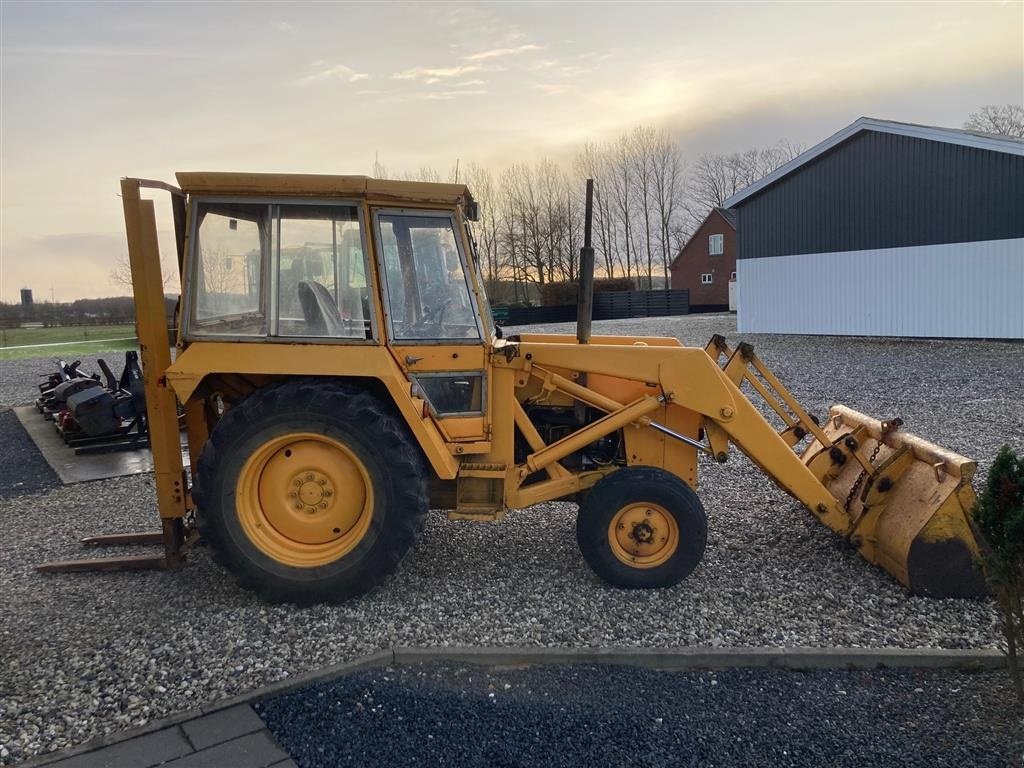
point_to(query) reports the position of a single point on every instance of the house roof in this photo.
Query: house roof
(729, 215)
(966, 138)
(725, 213)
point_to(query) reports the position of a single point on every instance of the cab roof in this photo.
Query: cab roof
(321, 185)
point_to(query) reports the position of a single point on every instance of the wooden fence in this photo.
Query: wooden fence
(608, 305)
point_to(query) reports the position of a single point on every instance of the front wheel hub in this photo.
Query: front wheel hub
(643, 535)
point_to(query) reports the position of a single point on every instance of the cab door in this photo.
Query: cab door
(432, 320)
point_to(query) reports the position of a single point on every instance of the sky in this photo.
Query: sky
(91, 92)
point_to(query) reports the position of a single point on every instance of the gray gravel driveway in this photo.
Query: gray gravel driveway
(89, 654)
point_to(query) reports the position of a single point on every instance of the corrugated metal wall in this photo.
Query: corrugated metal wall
(880, 190)
(961, 290)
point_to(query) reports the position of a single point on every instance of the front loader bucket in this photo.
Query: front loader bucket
(907, 502)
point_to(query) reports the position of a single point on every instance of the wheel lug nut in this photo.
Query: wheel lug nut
(322, 481)
(328, 493)
(293, 494)
(323, 505)
(298, 482)
(309, 475)
(298, 505)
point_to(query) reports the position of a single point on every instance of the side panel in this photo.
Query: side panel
(204, 358)
(968, 290)
(880, 190)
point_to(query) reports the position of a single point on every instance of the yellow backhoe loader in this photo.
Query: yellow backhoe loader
(340, 374)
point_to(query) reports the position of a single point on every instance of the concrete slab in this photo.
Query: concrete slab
(222, 726)
(143, 752)
(79, 469)
(256, 750)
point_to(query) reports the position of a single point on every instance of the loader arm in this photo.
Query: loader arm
(691, 379)
(901, 501)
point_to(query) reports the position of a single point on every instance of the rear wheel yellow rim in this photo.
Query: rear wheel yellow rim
(304, 499)
(643, 535)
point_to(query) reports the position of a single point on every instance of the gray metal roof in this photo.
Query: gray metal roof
(963, 137)
(729, 215)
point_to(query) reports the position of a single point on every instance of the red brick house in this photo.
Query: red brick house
(707, 262)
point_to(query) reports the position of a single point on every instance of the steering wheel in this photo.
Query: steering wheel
(433, 316)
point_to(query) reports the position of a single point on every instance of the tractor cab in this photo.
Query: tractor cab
(273, 266)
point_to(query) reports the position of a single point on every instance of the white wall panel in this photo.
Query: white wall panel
(957, 290)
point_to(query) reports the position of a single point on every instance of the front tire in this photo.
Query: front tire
(310, 491)
(642, 527)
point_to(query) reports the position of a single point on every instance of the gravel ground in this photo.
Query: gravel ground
(614, 716)
(87, 654)
(20, 379)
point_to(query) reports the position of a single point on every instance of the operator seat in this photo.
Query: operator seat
(319, 310)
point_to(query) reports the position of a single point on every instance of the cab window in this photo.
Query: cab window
(280, 270)
(232, 244)
(427, 289)
(321, 280)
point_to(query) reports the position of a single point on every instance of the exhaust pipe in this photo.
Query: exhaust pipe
(585, 301)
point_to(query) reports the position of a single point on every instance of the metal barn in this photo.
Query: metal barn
(886, 229)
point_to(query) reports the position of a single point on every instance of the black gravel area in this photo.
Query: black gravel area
(25, 471)
(441, 714)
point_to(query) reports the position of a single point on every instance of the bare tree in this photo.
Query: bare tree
(668, 190)
(481, 183)
(121, 272)
(642, 146)
(592, 163)
(717, 177)
(621, 177)
(1003, 120)
(645, 206)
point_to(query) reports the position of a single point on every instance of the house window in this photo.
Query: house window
(716, 245)
(706, 278)
(732, 276)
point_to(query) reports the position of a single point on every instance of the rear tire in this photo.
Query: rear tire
(642, 527)
(310, 491)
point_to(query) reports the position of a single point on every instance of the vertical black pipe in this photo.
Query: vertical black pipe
(585, 303)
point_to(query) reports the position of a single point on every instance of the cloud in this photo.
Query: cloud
(452, 94)
(334, 72)
(101, 51)
(498, 52)
(549, 89)
(284, 26)
(435, 74)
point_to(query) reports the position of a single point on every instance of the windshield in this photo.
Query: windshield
(428, 291)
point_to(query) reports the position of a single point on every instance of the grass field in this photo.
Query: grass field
(23, 343)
